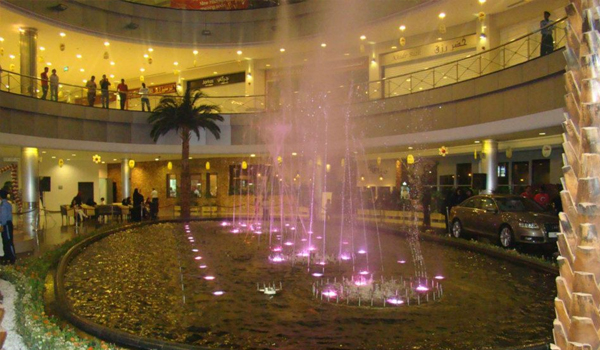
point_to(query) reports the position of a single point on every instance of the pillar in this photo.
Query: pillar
(28, 57)
(490, 164)
(30, 190)
(125, 179)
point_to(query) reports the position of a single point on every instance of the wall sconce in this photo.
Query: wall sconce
(482, 36)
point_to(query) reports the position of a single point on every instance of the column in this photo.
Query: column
(28, 57)
(125, 179)
(30, 190)
(490, 164)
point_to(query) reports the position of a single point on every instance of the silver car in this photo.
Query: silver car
(506, 219)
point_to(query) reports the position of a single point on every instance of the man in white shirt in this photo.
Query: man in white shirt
(145, 101)
(154, 206)
(54, 86)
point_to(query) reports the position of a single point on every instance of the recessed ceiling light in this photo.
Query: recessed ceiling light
(442, 15)
(78, 56)
(402, 27)
(112, 75)
(53, 157)
(48, 63)
(323, 45)
(41, 47)
(73, 155)
(176, 63)
(282, 50)
(239, 52)
(482, 1)
(142, 69)
(150, 49)
(477, 141)
(43, 152)
(267, 65)
(12, 57)
(112, 63)
(81, 70)
(195, 52)
(106, 43)
(146, 55)
(394, 47)
(542, 134)
(215, 72)
(2, 39)
(68, 159)
(62, 34)
(346, 54)
(190, 158)
(252, 155)
(114, 159)
(157, 159)
(294, 153)
(410, 147)
(363, 37)
(439, 39)
(84, 81)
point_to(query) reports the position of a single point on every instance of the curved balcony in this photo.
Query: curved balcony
(524, 86)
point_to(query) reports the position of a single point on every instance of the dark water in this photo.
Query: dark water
(147, 282)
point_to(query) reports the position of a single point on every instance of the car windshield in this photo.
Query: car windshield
(518, 204)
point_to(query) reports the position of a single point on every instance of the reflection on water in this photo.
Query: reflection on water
(151, 282)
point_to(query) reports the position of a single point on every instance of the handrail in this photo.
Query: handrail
(511, 53)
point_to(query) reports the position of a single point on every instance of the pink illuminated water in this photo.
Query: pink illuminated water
(317, 274)
(439, 277)
(422, 288)
(218, 293)
(209, 278)
(395, 301)
(330, 293)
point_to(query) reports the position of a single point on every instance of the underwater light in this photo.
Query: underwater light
(317, 274)
(363, 272)
(195, 250)
(202, 266)
(209, 278)
(277, 249)
(362, 251)
(401, 261)
(439, 277)
(198, 258)
(421, 288)
(218, 293)
(395, 301)
(330, 293)
(289, 243)
(345, 257)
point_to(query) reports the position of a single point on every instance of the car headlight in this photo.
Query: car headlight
(532, 225)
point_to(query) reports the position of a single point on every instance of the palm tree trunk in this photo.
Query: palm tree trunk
(577, 319)
(185, 174)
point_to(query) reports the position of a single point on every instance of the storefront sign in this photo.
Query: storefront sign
(466, 42)
(210, 4)
(225, 79)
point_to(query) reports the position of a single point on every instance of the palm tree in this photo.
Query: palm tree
(577, 319)
(183, 116)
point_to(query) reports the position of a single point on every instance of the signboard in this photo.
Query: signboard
(210, 4)
(218, 80)
(467, 42)
(163, 89)
(546, 151)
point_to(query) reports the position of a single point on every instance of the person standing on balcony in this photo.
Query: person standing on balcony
(547, 45)
(104, 85)
(145, 101)
(7, 228)
(91, 95)
(54, 86)
(122, 89)
(44, 77)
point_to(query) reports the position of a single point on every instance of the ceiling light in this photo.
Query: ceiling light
(157, 159)
(252, 155)
(394, 47)
(43, 152)
(146, 55)
(82, 70)
(542, 134)
(114, 159)
(2, 39)
(12, 57)
(62, 34)
(282, 50)
(84, 81)
(477, 141)
(112, 75)
(402, 27)
(363, 37)
(195, 52)
(41, 47)
(323, 45)
(267, 65)
(176, 63)
(142, 70)
(78, 56)
(190, 158)
(106, 43)
(215, 72)
(442, 15)
(482, 1)
(53, 157)
(294, 153)
(482, 36)
(68, 159)
(48, 63)
(112, 63)
(346, 54)
(410, 147)
(239, 52)
(150, 49)
(73, 155)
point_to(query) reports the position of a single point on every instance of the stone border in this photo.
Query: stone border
(127, 339)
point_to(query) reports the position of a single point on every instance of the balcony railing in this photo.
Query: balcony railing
(514, 52)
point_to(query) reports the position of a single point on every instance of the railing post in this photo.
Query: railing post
(528, 49)
(433, 74)
(480, 72)
(411, 84)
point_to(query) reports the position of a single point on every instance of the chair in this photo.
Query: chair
(116, 212)
(63, 215)
(103, 212)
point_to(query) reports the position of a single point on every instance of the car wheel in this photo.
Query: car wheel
(457, 230)
(506, 237)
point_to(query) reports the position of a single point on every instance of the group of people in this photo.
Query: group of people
(140, 208)
(51, 82)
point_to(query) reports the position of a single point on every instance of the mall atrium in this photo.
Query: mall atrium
(338, 117)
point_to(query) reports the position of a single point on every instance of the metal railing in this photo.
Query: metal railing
(514, 52)
(73, 94)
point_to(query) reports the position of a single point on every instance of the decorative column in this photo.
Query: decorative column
(28, 57)
(125, 179)
(576, 304)
(490, 164)
(30, 190)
